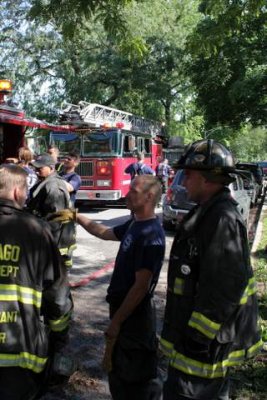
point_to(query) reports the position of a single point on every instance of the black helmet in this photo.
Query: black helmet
(212, 158)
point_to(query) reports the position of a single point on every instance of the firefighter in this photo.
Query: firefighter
(34, 303)
(49, 195)
(211, 311)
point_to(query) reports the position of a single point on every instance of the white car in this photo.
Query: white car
(240, 194)
(176, 205)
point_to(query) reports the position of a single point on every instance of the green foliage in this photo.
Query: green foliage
(140, 68)
(250, 144)
(133, 55)
(229, 66)
(249, 380)
(191, 129)
(71, 15)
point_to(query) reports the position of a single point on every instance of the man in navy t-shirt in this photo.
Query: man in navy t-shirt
(70, 176)
(139, 167)
(132, 327)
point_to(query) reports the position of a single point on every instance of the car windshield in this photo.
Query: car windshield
(263, 164)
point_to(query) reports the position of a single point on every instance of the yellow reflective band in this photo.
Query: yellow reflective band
(22, 294)
(249, 291)
(193, 367)
(23, 360)
(204, 325)
(254, 349)
(68, 263)
(236, 357)
(166, 347)
(65, 251)
(60, 324)
(209, 371)
(178, 286)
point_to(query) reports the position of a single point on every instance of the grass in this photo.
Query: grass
(250, 379)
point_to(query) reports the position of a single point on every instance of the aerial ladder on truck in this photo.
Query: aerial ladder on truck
(103, 158)
(95, 115)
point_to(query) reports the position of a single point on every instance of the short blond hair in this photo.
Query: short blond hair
(12, 176)
(25, 154)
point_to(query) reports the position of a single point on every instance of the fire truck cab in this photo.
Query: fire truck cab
(107, 141)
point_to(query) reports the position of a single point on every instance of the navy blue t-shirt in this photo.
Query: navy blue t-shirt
(138, 168)
(142, 247)
(75, 180)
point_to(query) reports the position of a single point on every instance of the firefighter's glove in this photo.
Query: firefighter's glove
(66, 215)
(107, 359)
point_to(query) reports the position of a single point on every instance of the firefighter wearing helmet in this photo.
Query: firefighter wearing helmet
(211, 313)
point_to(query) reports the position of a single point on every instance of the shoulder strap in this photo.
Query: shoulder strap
(140, 169)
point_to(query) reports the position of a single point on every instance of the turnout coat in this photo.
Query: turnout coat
(46, 197)
(35, 304)
(211, 312)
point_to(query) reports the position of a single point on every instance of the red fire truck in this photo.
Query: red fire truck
(16, 130)
(106, 139)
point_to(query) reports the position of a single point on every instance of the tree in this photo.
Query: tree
(95, 66)
(250, 144)
(161, 76)
(72, 15)
(229, 62)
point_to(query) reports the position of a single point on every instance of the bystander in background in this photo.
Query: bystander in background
(54, 153)
(25, 158)
(73, 180)
(139, 167)
(163, 172)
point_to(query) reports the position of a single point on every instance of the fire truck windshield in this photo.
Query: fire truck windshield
(88, 144)
(66, 142)
(101, 143)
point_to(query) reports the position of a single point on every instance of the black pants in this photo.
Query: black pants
(134, 360)
(121, 390)
(180, 386)
(19, 384)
